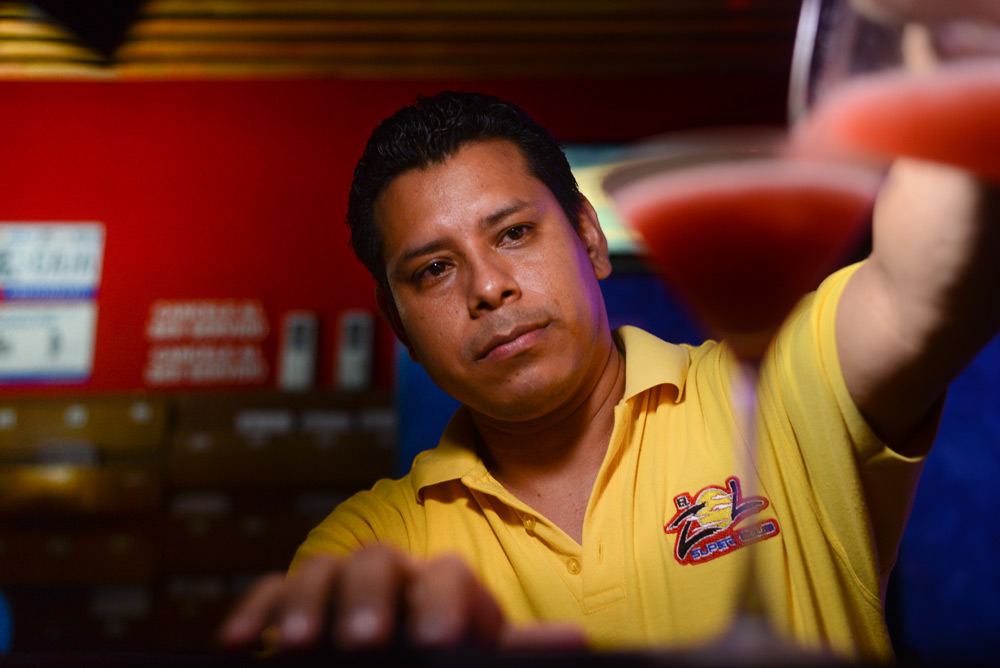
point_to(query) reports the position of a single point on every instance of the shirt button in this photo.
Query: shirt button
(573, 566)
(529, 523)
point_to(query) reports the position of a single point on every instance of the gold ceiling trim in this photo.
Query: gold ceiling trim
(412, 38)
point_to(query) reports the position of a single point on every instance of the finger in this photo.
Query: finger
(927, 11)
(306, 602)
(448, 606)
(368, 600)
(254, 611)
(546, 636)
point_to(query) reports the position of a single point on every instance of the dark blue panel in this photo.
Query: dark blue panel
(6, 626)
(948, 579)
(639, 299)
(423, 409)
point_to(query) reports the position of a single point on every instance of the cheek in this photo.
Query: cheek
(566, 273)
(432, 327)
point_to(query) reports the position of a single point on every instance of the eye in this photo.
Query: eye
(435, 268)
(516, 233)
(431, 271)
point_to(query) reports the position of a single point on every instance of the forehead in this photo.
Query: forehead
(467, 186)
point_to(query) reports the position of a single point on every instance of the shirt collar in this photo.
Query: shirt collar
(454, 457)
(649, 362)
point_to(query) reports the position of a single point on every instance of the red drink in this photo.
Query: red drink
(742, 241)
(949, 115)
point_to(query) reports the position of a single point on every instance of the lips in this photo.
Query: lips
(500, 341)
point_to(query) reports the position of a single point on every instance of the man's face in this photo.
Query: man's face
(493, 290)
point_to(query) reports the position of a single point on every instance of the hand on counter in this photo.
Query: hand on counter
(376, 597)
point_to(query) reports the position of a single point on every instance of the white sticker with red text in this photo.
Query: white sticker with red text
(205, 342)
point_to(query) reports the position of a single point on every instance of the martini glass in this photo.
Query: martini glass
(740, 227)
(878, 79)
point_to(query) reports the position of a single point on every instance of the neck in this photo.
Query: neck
(551, 462)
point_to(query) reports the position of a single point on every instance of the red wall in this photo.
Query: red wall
(238, 189)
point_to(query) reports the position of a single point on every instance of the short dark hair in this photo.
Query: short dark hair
(430, 131)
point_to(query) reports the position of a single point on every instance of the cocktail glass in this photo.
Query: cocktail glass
(740, 228)
(879, 79)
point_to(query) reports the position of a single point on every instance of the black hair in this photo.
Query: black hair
(430, 131)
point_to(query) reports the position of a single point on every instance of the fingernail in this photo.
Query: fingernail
(430, 628)
(362, 624)
(295, 628)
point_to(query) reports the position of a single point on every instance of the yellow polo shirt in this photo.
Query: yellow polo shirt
(672, 510)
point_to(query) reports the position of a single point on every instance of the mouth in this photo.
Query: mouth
(519, 339)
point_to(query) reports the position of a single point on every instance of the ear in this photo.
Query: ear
(590, 232)
(387, 309)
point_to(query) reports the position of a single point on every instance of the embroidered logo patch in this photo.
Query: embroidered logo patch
(711, 523)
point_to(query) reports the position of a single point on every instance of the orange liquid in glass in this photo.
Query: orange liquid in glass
(949, 115)
(742, 242)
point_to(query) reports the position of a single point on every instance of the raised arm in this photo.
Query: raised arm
(928, 299)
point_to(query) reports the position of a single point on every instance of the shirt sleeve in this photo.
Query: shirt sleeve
(365, 518)
(861, 489)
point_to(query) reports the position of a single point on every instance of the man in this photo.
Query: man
(589, 488)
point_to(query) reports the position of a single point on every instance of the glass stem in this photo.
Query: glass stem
(750, 601)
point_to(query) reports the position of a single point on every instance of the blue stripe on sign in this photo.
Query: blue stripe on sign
(49, 293)
(43, 378)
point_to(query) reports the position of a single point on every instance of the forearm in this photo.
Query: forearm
(929, 297)
(937, 246)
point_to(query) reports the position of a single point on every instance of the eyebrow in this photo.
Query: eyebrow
(431, 247)
(484, 223)
(509, 210)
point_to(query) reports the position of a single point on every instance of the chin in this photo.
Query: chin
(514, 412)
(524, 403)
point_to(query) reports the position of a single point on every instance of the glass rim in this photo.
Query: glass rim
(806, 33)
(691, 147)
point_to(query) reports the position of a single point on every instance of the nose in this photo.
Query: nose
(492, 284)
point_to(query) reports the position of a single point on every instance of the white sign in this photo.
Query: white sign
(50, 260)
(205, 364)
(203, 342)
(42, 341)
(198, 319)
